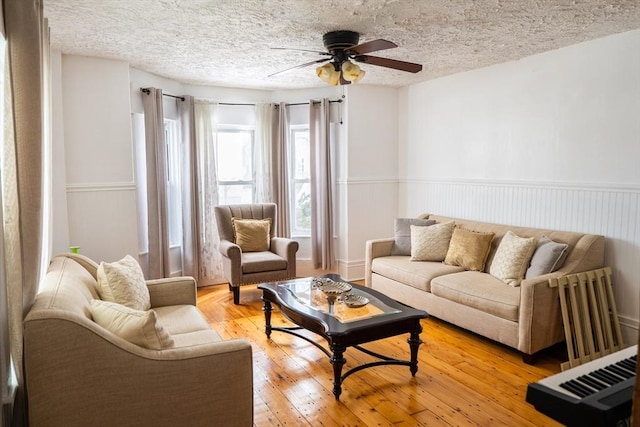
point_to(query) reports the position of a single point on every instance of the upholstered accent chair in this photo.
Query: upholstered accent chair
(265, 257)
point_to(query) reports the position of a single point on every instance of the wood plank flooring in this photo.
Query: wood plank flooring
(463, 379)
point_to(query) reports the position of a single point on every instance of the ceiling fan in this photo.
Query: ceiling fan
(343, 48)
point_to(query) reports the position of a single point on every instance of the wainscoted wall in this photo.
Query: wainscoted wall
(611, 211)
(549, 141)
(101, 219)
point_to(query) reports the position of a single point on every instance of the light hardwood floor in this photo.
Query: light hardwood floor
(463, 379)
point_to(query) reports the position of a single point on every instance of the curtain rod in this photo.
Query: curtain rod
(181, 98)
(147, 91)
(290, 104)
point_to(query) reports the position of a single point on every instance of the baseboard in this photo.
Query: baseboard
(629, 328)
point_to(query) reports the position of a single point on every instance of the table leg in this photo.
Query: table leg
(414, 342)
(338, 361)
(267, 317)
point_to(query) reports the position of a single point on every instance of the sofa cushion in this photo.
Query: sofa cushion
(469, 249)
(252, 235)
(415, 274)
(402, 239)
(431, 243)
(255, 262)
(481, 291)
(548, 257)
(512, 258)
(138, 327)
(123, 282)
(180, 319)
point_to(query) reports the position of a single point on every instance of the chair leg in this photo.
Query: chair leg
(230, 288)
(236, 295)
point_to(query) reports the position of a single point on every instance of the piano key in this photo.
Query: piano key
(606, 376)
(577, 388)
(593, 382)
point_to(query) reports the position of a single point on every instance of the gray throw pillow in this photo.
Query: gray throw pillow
(402, 243)
(548, 257)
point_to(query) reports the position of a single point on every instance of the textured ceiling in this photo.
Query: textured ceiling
(228, 42)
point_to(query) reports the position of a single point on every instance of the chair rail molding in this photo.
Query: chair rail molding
(100, 186)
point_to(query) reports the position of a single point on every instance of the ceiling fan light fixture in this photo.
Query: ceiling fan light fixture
(328, 74)
(351, 72)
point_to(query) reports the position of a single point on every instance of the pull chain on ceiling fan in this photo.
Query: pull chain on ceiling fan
(343, 48)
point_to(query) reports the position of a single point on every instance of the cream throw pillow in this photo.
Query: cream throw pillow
(123, 282)
(512, 258)
(469, 249)
(137, 327)
(252, 235)
(430, 243)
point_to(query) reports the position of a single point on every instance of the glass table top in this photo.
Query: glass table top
(305, 292)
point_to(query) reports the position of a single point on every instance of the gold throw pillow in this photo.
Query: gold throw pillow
(252, 235)
(469, 249)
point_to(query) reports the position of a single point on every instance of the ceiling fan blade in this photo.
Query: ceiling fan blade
(303, 50)
(389, 63)
(372, 46)
(306, 64)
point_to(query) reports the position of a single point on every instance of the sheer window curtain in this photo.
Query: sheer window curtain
(262, 152)
(156, 173)
(280, 167)
(190, 208)
(22, 171)
(322, 250)
(205, 135)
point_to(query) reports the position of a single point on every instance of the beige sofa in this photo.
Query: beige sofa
(80, 374)
(525, 317)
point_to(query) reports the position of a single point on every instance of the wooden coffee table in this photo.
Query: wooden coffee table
(343, 326)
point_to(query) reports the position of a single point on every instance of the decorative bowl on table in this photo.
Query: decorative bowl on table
(331, 288)
(353, 300)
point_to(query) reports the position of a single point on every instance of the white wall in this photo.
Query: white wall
(368, 184)
(550, 141)
(100, 188)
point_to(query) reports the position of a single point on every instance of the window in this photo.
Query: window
(234, 163)
(174, 193)
(300, 185)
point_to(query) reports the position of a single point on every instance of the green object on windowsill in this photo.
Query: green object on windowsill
(74, 249)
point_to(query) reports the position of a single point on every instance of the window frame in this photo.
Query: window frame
(228, 128)
(293, 181)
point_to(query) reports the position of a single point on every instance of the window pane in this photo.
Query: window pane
(302, 152)
(234, 157)
(302, 220)
(174, 195)
(235, 194)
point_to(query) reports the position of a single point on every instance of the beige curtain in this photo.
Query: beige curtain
(22, 170)
(322, 251)
(280, 168)
(157, 209)
(190, 189)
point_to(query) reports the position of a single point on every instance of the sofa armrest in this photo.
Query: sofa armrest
(172, 291)
(540, 320)
(374, 249)
(230, 250)
(71, 366)
(284, 247)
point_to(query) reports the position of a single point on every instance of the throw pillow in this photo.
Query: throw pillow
(137, 327)
(430, 243)
(123, 282)
(252, 235)
(512, 258)
(402, 240)
(469, 249)
(548, 257)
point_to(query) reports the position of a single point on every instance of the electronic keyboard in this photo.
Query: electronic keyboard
(597, 393)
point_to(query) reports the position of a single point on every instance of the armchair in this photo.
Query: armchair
(278, 262)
